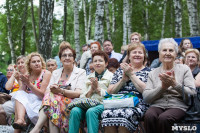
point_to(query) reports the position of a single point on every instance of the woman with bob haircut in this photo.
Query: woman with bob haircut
(95, 87)
(192, 60)
(86, 57)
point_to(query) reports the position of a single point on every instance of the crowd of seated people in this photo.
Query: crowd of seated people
(42, 93)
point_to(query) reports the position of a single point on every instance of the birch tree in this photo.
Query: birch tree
(129, 14)
(171, 18)
(45, 28)
(23, 33)
(9, 32)
(163, 21)
(107, 19)
(65, 21)
(98, 35)
(76, 28)
(178, 18)
(193, 17)
(125, 4)
(89, 20)
(85, 20)
(33, 24)
(146, 21)
(113, 16)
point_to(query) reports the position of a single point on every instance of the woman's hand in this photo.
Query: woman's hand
(16, 73)
(128, 70)
(168, 79)
(94, 83)
(95, 86)
(25, 79)
(55, 89)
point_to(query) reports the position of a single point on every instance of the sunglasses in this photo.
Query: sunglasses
(9, 70)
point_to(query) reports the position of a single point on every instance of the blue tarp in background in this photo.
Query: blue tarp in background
(153, 45)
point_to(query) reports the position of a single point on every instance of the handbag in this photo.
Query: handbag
(4, 97)
(193, 111)
(120, 100)
(84, 103)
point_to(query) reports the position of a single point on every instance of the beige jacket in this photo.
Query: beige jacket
(85, 56)
(76, 79)
(172, 97)
(103, 84)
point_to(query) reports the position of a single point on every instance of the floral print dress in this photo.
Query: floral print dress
(55, 107)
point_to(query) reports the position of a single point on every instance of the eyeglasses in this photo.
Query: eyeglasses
(9, 70)
(67, 55)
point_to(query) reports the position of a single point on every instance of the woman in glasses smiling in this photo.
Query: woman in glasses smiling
(65, 84)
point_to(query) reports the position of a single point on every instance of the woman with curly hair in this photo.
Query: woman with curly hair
(28, 98)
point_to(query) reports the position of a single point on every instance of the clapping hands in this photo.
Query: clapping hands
(168, 79)
(25, 79)
(94, 85)
(128, 71)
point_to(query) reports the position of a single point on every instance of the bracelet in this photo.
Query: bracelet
(62, 92)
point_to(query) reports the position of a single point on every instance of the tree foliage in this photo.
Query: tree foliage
(137, 8)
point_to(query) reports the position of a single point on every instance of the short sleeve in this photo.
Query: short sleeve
(117, 76)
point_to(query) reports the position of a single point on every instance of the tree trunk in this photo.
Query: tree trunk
(98, 35)
(146, 21)
(125, 4)
(193, 17)
(76, 28)
(89, 20)
(178, 18)
(65, 21)
(85, 20)
(113, 16)
(23, 34)
(10, 42)
(163, 21)
(172, 18)
(33, 24)
(45, 26)
(107, 19)
(129, 14)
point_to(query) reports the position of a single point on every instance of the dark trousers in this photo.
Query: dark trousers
(158, 120)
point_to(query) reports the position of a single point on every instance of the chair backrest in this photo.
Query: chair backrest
(193, 112)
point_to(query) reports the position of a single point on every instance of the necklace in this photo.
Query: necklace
(67, 76)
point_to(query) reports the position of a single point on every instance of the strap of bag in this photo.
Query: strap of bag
(86, 63)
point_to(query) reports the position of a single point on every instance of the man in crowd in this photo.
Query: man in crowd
(108, 49)
(84, 48)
